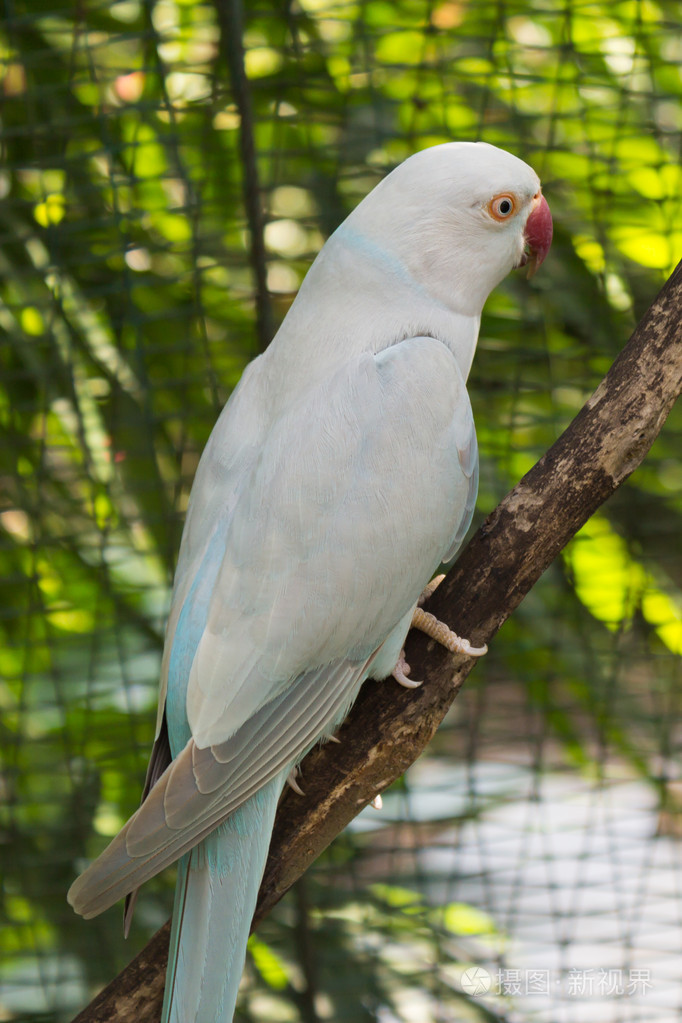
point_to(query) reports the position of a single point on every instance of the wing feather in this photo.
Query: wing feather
(179, 810)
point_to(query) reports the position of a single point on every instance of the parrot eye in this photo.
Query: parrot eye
(501, 207)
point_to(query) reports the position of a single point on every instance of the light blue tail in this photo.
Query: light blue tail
(215, 897)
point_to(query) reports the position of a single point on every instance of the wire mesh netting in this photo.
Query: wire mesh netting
(169, 169)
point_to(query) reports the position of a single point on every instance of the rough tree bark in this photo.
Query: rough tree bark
(389, 727)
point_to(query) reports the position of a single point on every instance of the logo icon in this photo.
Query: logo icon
(476, 981)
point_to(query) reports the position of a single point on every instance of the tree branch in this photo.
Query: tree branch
(231, 20)
(389, 727)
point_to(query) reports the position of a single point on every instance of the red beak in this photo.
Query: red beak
(538, 235)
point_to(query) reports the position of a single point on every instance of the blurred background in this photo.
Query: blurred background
(168, 171)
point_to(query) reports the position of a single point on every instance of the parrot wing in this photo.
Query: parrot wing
(204, 786)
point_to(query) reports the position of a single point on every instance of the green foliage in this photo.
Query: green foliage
(127, 314)
(398, 950)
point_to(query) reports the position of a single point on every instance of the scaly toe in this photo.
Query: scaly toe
(429, 590)
(439, 631)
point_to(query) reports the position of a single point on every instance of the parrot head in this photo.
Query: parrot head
(459, 217)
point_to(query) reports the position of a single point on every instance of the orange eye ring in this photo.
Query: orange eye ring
(502, 207)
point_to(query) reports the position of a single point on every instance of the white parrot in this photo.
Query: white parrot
(342, 472)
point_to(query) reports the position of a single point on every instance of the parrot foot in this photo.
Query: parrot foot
(401, 671)
(439, 631)
(428, 623)
(292, 783)
(377, 802)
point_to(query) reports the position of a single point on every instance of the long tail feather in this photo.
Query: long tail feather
(215, 898)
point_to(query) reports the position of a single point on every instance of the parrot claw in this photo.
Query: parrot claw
(401, 671)
(292, 783)
(465, 647)
(377, 802)
(429, 624)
